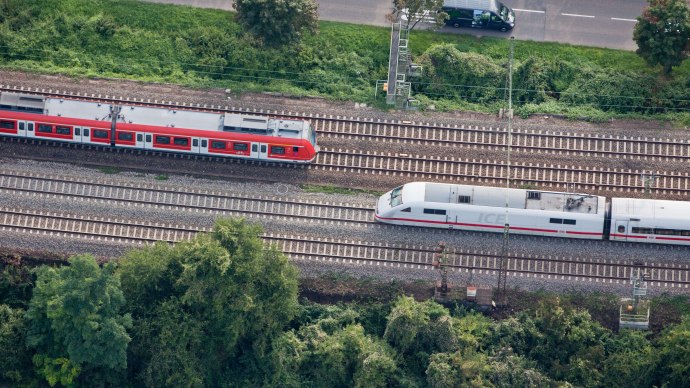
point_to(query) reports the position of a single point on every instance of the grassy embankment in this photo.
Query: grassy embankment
(202, 47)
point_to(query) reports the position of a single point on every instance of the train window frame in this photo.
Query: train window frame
(123, 136)
(295, 150)
(195, 142)
(263, 148)
(4, 123)
(181, 141)
(86, 132)
(277, 150)
(255, 148)
(77, 131)
(148, 138)
(21, 126)
(534, 195)
(639, 230)
(437, 212)
(240, 146)
(63, 130)
(464, 199)
(31, 127)
(407, 210)
(555, 220)
(159, 139)
(140, 137)
(204, 143)
(97, 134)
(216, 145)
(567, 221)
(44, 128)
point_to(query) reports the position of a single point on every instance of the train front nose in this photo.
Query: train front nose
(383, 205)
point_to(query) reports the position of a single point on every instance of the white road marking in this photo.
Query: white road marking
(527, 10)
(576, 15)
(625, 20)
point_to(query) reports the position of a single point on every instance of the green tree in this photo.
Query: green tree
(75, 323)
(277, 22)
(662, 33)
(674, 352)
(631, 360)
(411, 12)
(458, 369)
(230, 296)
(15, 360)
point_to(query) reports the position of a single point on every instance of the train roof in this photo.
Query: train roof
(650, 208)
(497, 196)
(161, 117)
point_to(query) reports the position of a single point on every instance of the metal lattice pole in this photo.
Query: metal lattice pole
(501, 296)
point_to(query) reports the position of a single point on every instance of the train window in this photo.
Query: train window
(45, 128)
(86, 132)
(556, 220)
(437, 212)
(240, 146)
(100, 134)
(464, 199)
(263, 148)
(217, 145)
(685, 232)
(642, 230)
(140, 137)
(195, 142)
(181, 141)
(6, 124)
(569, 222)
(254, 148)
(534, 195)
(125, 136)
(278, 150)
(664, 232)
(148, 138)
(204, 143)
(621, 229)
(162, 139)
(295, 149)
(77, 131)
(31, 126)
(62, 130)
(407, 210)
(21, 126)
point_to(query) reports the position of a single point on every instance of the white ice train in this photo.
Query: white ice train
(536, 212)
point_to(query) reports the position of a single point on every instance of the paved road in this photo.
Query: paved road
(599, 23)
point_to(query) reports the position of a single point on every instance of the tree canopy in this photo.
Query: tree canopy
(412, 12)
(76, 325)
(277, 22)
(662, 33)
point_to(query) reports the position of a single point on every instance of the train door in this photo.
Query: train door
(195, 145)
(148, 141)
(259, 151)
(140, 140)
(86, 135)
(21, 128)
(30, 129)
(76, 134)
(620, 231)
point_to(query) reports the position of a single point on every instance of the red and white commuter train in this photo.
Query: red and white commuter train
(170, 130)
(536, 212)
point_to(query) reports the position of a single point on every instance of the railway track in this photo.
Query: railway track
(468, 136)
(186, 199)
(134, 232)
(671, 185)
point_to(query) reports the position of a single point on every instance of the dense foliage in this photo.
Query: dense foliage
(222, 310)
(662, 33)
(277, 22)
(167, 43)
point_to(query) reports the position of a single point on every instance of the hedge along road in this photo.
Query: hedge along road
(581, 22)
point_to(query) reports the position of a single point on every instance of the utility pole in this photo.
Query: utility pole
(501, 297)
